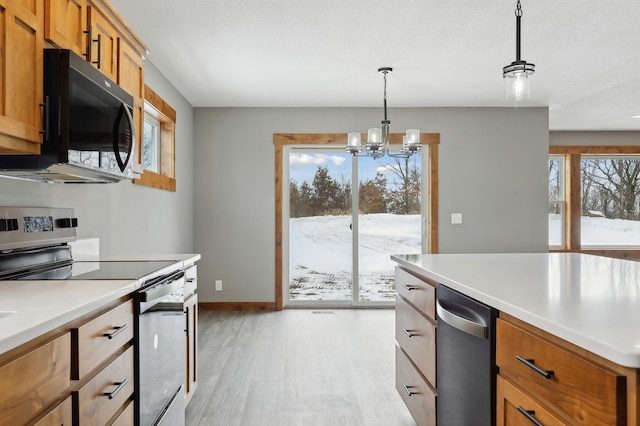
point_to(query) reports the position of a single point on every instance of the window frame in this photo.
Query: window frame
(161, 111)
(429, 141)
(572, 218)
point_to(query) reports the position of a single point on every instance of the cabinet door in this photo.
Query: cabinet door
(21, 24)
(65, 22)
(104, 43)
(131, 79)
(191, 309)
(516, 408)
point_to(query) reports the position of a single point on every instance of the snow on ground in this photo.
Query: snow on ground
(320, 250)
(320, 256)
(599, 231)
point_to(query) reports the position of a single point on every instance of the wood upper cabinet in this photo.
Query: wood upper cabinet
(21, 24)
(65, 24)
(131, 79)
(103, 52)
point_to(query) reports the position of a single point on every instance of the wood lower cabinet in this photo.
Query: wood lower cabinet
(560, 382)
(516, 408)
(416, 346)
(107, 392)
(21, 63)
(80, 373)
(61, 415)
(35, 381)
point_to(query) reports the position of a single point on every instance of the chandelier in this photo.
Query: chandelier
(377, 144)
(517, 73)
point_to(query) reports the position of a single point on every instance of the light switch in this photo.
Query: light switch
(456, 218)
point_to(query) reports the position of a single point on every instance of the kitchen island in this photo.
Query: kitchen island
(572, 311)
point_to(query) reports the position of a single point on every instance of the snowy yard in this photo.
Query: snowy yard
(321, 252)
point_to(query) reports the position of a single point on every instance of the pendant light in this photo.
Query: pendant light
(377, 144)
(518, 72)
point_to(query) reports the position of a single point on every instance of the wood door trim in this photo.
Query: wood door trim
(431, 140)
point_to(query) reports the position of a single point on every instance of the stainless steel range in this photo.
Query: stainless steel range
(34, 246)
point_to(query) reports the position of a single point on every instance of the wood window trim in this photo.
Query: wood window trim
(280, 140)
(573, 156)
(166, 115)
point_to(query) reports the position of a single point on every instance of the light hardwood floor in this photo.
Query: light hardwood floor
(297, 367)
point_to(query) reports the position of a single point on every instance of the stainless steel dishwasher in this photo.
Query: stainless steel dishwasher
(466, 352)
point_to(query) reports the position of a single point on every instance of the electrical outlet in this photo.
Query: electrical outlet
(218, 285)
(456, 218)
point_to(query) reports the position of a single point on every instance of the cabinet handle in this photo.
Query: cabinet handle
(529, 415)
(45, 119)
(115, 332)
(120, 386)
(547, 374)
(410, 287)
(88, 32)
(99, 41)
(408, 332)
(406, 388)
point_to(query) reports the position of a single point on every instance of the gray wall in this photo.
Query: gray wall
(127, 218)
(492, 169)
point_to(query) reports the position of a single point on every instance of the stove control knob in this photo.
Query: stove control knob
(67, 222)
(8, 224)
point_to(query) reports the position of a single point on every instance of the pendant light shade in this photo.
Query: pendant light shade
(517, 73)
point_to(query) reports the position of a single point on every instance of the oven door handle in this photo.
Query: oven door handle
(162, 288)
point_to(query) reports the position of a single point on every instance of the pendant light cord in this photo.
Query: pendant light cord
(385, 96)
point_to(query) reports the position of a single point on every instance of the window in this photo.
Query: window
(556, 202)
(151, 144)
(594, 200)
(157, 148)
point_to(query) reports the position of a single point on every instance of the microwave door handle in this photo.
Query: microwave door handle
(124, 111)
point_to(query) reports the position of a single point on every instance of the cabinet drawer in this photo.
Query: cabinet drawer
(105, 394)
(514, 403)
(585, 391)
(417, 291)
(417, 395)
(126, 418)
(59, 416)
(417, 337)
(34, 381)
(100, 338)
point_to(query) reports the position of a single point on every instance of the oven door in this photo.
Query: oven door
(161, 354)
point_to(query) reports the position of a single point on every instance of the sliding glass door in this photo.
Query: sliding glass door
(343, 218)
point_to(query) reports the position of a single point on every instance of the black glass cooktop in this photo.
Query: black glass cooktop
(120, 270)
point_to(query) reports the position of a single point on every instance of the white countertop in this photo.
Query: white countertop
(590, 301)
(186, 258)
(41, 306)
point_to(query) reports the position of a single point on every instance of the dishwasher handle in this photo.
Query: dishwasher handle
(462, 324)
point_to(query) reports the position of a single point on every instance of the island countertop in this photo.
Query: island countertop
(590, 301)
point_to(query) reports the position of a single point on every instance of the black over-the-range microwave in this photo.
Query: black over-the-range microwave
(88, 131)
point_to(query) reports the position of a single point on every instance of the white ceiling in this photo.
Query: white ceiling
(325, 53)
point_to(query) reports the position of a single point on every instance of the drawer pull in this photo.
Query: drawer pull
(547, 374)
(410, 287)
(120, 386)
(409, 333)
(529, 415)
(115, 332)
(408, 390)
